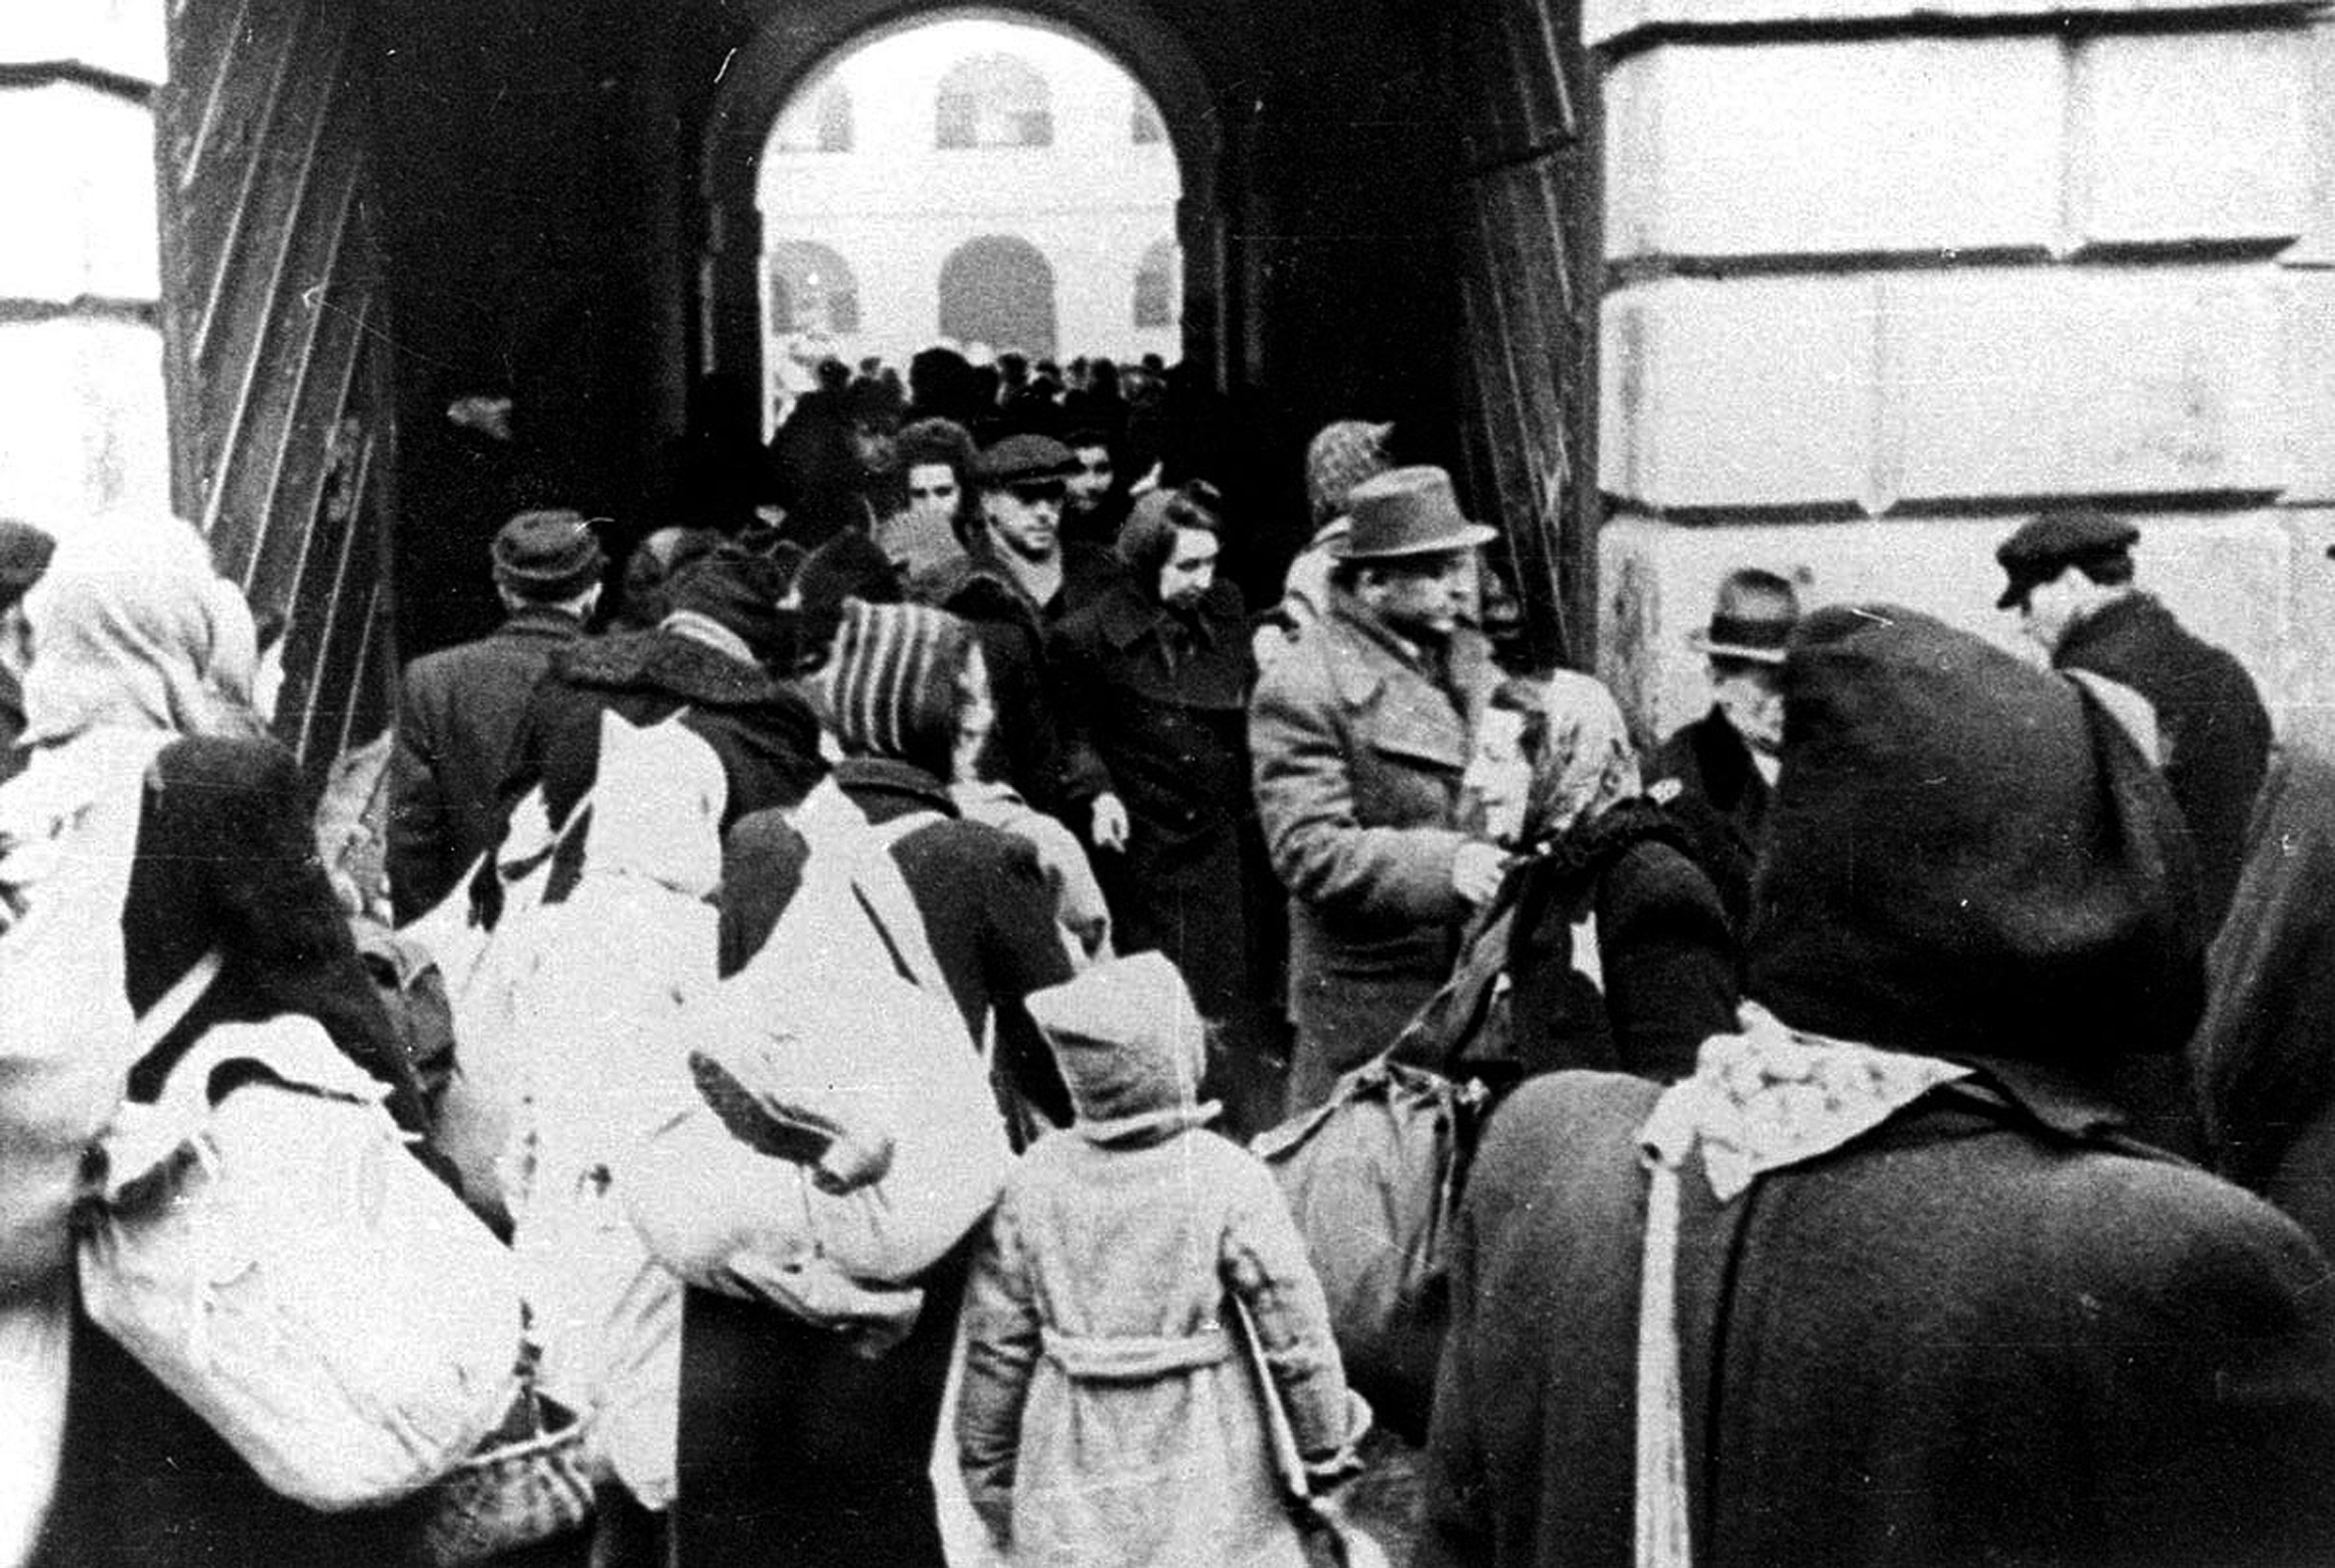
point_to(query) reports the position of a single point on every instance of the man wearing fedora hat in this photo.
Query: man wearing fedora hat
(1360, 736)
(459, 707)
(1716, 772)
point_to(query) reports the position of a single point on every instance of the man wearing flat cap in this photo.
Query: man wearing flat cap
(1360, 736)
(1016, 583)
(459, 707)
(2070, 578)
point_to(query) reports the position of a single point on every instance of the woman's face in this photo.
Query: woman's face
(1500, 774)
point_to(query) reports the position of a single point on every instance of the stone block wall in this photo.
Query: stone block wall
(1882, 279)
(83, 427)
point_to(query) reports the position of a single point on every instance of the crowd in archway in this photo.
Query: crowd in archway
(967, 1041)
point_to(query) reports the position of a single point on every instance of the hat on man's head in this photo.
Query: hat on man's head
(1406, 511)
(1126, 1034)
(25, 553)
(1024, 460)
(1752, 620)
(548, 555)
(2051, 542)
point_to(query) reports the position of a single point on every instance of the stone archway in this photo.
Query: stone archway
(764, 71)
(999, 290)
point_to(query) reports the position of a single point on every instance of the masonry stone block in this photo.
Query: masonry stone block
(126, 37)
(2309, 390)
(1800, 148)
(2306, 671)
(1738, 393)
(1608, 21)
(83, 428)
(2226, 576)
(2085, 379)
(2191, 137)
(76, 181)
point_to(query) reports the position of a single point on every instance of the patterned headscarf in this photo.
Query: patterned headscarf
(1584, 762)
(1341, 457)
(892, 687)
(132, 629)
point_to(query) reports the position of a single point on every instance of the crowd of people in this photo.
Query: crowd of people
(1867, 1071)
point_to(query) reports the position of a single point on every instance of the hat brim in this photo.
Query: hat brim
(2011, 596)
(1466, 538)
(1750, 653)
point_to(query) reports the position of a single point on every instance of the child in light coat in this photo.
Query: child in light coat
(1113, 1412)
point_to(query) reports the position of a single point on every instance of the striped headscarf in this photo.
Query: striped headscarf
(892, 685)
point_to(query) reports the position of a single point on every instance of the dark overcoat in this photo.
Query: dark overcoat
(1357, 752)
(1720, 798)
(2210, 723)
(1988, 1333)
(457, 710)
(1166, 732)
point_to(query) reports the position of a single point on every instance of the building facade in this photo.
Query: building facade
(975, 182)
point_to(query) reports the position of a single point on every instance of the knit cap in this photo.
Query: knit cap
(1126, 1036)
(1341, 457)
(740, 592)
(884, 688)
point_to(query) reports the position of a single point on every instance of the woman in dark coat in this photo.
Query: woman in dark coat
(794, 1449)
(1614, 949)
(1883, 1280)
(137, 649)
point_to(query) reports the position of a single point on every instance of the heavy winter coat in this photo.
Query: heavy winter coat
(2265, 1057)
(1167, 733)
(1668, 975)
(1358, 755)
(761, 729)
(1711, 784)
(1013, 627)
(457, 710)
(1990, 1333)
(2210, 722)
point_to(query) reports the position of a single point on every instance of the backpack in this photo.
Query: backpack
(844, 1136)
(272, 1251)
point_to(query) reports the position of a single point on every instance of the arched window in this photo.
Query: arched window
(993, 101)
(1155, 286)
(998, 290)
(816, 122)
(812, 291)
(1145, 128)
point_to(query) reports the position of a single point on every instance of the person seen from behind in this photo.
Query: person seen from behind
(1113, 1413)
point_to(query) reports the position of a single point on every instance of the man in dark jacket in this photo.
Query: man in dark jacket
(1152, 688)
(711, 660)
(459, 709)
(1716, 773)
(1018, 580)
(1885, 1281)
(2071, 580)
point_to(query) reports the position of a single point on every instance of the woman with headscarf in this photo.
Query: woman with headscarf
(793, 1448)
(1612, 942)
(138, 692)
(1885, 1280)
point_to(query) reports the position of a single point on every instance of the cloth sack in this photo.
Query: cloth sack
(35, 1370)
(271, 1251)
(1372, 1177)
(842, 1039)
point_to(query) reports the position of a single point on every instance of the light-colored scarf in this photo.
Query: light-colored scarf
(131, 629)
(1586, 763)
(1760, 1101)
